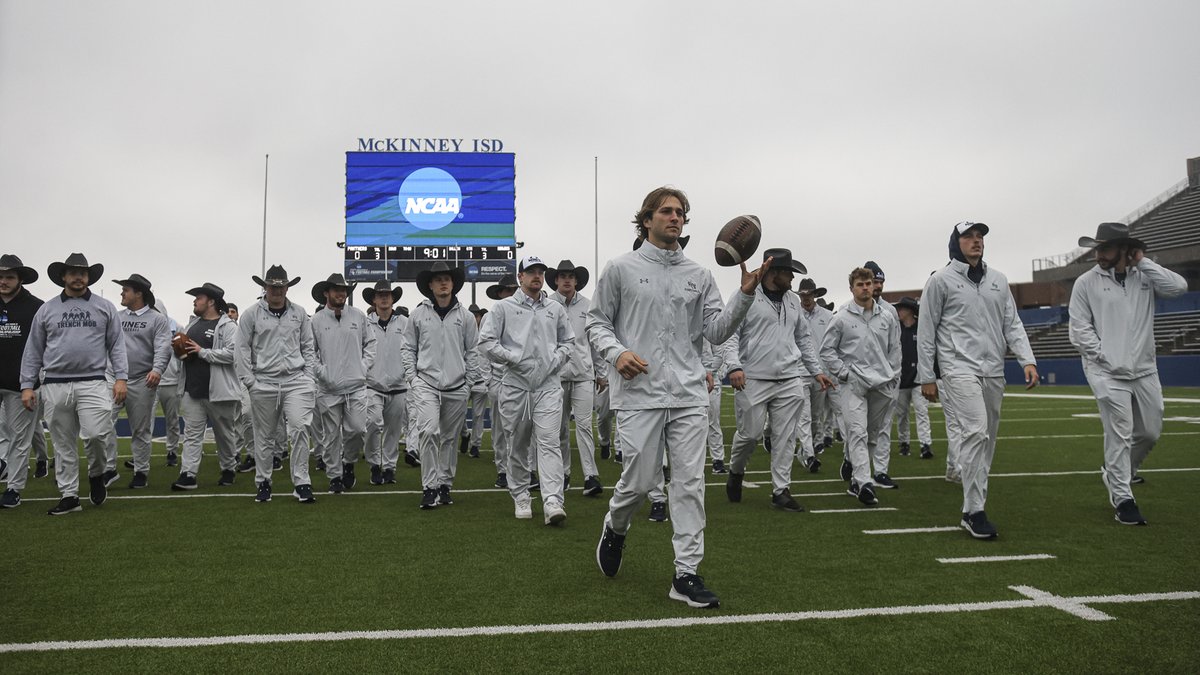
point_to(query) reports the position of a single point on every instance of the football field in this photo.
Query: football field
(207, 581)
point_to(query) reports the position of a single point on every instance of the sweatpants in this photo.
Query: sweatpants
(196, 414)
(293, 401)
(904, 398)
(500, 442)
(478, 400)
(716, 435)
(783, 401)
(77, 410)
(804, 423)
(864, 411)
(976, 402)
(604, 418)
(1132, 414)
(578, 397)
(821, 412)
(344, 419)
(438, 416)
(387, 417)
(169, 397)
(642, 434)
(953, 431)
(243, 424)
(533, 420)
(139, 409)
(17, 427)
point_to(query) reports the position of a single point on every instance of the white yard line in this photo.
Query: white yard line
(1084, 397)
(995, 558)
(1033, 598)
(864, 509)
(913, 530)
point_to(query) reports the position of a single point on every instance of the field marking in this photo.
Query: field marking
(1033, 598)
(864, 509)
(1084, 397)
(913, 530)
(995, 558)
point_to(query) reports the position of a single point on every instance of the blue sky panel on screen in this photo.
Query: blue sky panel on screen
(430, 199)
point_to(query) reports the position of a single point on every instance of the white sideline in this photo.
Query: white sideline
(1034, 598)
(865, 509)
(1084, 397)
(995, 558)
(913, 530)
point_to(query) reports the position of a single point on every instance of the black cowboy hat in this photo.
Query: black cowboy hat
(506, 281)
(581, 274)
(402, 310)
(827, 304)
(783, 260)
(910, 303)
(476, 309)
(458, 274)
(1112, 233)
(368, 294)
(276, 276)
(809, 286)
(138, 283)
(336, 279)
(683, 242)
(213, 292)
(56, 269)
(11, 263)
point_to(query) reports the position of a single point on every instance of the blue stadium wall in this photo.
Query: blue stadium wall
(1173, 371)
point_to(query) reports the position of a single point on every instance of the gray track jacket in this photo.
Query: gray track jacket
(387, 372)
(441, 352)
(773, 344)
(967, 328)
(715, 360)
(73, 339)
(818, 322)
(345, 349)
(1112, 325)
(223, 383)
(584, 362)
(863, 345)
(661, 305)
(275, 351)
(534, 342)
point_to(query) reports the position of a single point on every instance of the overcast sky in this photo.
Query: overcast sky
(135, 132)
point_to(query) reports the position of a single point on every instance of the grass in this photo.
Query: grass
(369, 561)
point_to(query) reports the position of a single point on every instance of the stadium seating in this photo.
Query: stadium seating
(1174, 333)
(1172, 225)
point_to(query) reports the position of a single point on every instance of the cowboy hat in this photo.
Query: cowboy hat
(336, 279)
(476, 309)
(56, 269)
(457, 274)
(276, 276)
(1112, 233)
(368, 294)
(214, 293)
(782, 260)
(138, 283)
(506, 281)
(581, 274)
(11, 263)
(909, 303)
(810, 287)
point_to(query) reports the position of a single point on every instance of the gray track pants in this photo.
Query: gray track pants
(578, 397)
(976, 404)
(292, 401)
(77, 410)
(1132, 414)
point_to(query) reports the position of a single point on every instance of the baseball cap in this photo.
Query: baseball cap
(531, 261)
(964, 226)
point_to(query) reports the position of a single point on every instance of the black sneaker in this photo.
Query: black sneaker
(348, 478)
(41, 471)
(784, 502)
(264, 492)
(926, 453)
(567, 482)
(979, 527)
(376, 475)
(619, 458)
(905, 450)
(99, 489)
(658, 512)
(227, 476)
(1136, 480)
(733, 486)
(690, 588)
(139, 481)
(303, 494)
(885, 481)
(474, 453)
(827, 442)
(111, 476)
(502, 481)
(847, 470)
(718, 467)
(320, 464)
(64, 506)
(336, 487)
(592, 486)
(173, 459)
(444, 498)
(129, 464)
(605, 451)
(276, 463)
(609, 551)
(866, 495)
(246, 466)
(11, 499)
(429, 499)
(187, 481)
(767, 444)
(389, 476)
(1127, 512)
(535, 485)
(463, 442)
(838, 436)
(812, 464)
(410, 458)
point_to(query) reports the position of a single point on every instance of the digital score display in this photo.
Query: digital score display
(402, 263)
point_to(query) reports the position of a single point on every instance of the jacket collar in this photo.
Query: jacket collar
(661, 256)
(854, 308)
(87, 295)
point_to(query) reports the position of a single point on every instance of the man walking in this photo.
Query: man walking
(387, 398)
(18, 424)
(500, 290)
(821, 399)
(908, 309)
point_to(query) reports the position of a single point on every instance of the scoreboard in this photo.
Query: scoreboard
(402, 263)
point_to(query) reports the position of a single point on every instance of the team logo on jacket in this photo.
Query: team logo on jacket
(691, 286)
(77, 318)
(430, 198)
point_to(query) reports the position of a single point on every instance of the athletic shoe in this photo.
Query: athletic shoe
(567, 482)
(618, 458)
(521, 508)
(767, 444)
(264, 492)
(838, 435)
(99, 490)
(246, 466)
(129, 464)
(429, 499)
(885, 481)
(303, 494)
(173, 459)
(502, 481)
(139, 481)
(376, 475)
(866, 495)
(847, 470)
(463, 441)
(389, 476)
(658, 512)
(784, 502)
(187, 481)
(11, 499)
(827, 442)
(554, 513)
(666, 474)
(111, 476)
(953, 475)
(535, 485)
(905, 450)
(64, 506)
(444, 498)
(276, 463)
(41, 471)
(926, 453)
(605, 451)
(227, 476)
(592, 486)
(474, 453)
(979, 527)
(348, 477)
(812, 464)
(1136, 480)
(410, 458)
(609, 551)
(321, 464)
(336, 487)
(1127, 512)
(718, 467)
(690, 588)
(733, 486)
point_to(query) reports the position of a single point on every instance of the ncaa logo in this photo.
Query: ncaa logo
(430, 198)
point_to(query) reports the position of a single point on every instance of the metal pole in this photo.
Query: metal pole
(596, 208)
(266, 173)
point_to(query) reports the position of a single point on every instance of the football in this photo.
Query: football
(738, 240)
(179, 344)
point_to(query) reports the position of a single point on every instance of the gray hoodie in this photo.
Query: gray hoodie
(584, 362)
(387, 372)
(147, 342)
(73, 339)
(773, 343)
(661, 305)
(345, 349)
(223, 383)
(863, 345)
(275, 350)
(1112, 325)
(533, 339)
(441, 352)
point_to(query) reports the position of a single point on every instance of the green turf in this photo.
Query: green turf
(362, 561)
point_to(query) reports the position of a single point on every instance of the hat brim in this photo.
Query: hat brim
(983, 229)
(368, 294)
(264, 284)
(457, 274)
(218, 301)
(582, 276)
(493, 291)
(818, 292)
(796, 267)
(56, 270)
(27, 275)
(1092, 242)
(318, 290)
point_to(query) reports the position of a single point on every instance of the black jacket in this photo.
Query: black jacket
(908, 356)
(16, 318)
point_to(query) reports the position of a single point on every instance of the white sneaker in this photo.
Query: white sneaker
(555, 513)
(523, 511)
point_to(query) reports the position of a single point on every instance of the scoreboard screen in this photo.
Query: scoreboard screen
(408, 210)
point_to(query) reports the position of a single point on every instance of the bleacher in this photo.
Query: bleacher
(1174, 333)
(1175, 224)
